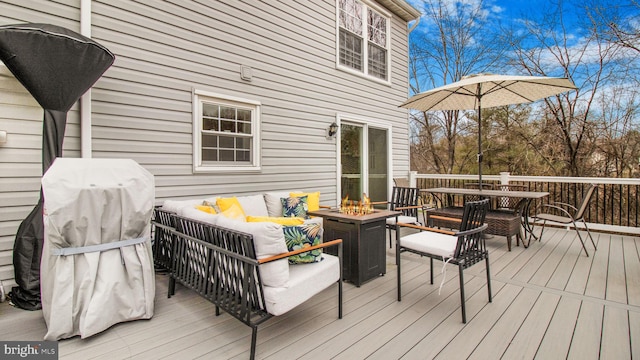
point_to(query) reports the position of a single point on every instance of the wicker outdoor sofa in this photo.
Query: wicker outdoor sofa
(227, 266)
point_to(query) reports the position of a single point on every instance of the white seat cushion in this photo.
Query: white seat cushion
(305, 280)
(402, 219)
(431, 243)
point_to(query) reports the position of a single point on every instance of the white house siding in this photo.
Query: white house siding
(142, 106)
(21, 117)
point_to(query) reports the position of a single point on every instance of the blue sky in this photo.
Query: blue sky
(512, 12)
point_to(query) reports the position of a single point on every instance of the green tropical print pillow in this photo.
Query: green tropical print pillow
(295, 207)
(300, 237)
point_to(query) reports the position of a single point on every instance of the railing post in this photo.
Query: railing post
(412, 178)
(504, 178)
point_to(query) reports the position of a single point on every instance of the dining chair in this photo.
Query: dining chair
(509, 204)
(405, 200)
(402, 182)
(569, 217)
(506, 217)
(464, 247)
(483, 186)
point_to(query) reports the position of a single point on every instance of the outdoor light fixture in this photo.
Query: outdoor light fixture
(333, 130)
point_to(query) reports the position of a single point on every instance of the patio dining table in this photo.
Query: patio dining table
(523, 206)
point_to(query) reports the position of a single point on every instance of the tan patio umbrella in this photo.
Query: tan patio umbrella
(487, 90)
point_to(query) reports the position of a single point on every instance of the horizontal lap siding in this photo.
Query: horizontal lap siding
(21, 117)
(142, 106)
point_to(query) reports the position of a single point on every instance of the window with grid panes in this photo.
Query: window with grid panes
(363, 43)
(226, 137)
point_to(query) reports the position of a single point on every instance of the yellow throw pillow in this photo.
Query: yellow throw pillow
(313, 199)
(234, 212)
(206, 208)
(226, 203)
(287, 221)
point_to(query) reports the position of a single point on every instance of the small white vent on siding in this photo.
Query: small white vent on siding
(246, 73)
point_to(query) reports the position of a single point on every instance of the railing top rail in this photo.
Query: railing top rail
(550, 179)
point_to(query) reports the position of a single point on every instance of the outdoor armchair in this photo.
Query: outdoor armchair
(463, 248)
(405, 200)
(569, 215)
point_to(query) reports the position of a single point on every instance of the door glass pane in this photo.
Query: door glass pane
(378, 179)
(351, 149)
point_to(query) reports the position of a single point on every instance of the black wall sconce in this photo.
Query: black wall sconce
(332, 130)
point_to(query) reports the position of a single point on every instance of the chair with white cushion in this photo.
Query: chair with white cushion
(464, 247)
(405, 200)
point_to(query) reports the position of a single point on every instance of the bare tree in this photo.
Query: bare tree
(453, 41)
(616, 22)
(592, 131)
(618, 149)
(551, 47)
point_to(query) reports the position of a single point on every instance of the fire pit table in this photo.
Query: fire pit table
(363, 236)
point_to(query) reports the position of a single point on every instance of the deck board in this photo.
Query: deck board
(557, 339)
(634, 333)
(616, 277)
(587, 335)
(615, 333)
(526, 341)
(550, 301)
(632, 271)
(597, 281)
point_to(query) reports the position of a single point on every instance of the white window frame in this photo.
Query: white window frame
(365, 38)
(200, 96)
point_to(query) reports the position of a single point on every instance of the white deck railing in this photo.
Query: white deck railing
(615, 208)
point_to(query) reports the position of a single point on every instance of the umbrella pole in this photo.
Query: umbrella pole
(479, 139)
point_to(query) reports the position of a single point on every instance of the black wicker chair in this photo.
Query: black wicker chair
(504, 220)
(483, 186)
(163, 224)
(464, 247)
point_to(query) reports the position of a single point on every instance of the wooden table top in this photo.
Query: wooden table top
(491, 193)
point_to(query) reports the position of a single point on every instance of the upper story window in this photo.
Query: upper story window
(363, 41)
(226, 133)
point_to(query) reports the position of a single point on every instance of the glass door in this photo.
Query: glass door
(351, 181)
(364, 162)
(378, 165)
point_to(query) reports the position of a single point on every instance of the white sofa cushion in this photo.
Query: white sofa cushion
(272, 200)
(174, 205)
(190, 212)
(253, 205)
(431, 242)
(268, 240)
(305, 280)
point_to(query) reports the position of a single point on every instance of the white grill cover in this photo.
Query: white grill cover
(91, 203)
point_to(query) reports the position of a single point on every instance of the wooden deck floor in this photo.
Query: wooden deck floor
(550, 302)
